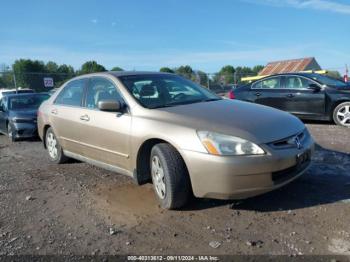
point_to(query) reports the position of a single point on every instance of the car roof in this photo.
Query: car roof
(25, 94)
(123, 73)
(296, 73)
(309, 75)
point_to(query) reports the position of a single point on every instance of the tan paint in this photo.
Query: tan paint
(115, 139)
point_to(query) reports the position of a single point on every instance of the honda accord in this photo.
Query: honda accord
(162, 128)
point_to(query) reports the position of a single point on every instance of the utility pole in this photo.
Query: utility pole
(14, 80)
(346, 77)
(208, 80)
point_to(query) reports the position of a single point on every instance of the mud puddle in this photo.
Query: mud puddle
(125, 205)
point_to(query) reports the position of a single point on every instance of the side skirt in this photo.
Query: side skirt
(100, 164)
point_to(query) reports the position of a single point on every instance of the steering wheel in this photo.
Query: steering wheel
(179, 96)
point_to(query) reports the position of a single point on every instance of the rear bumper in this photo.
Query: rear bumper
(239, 177)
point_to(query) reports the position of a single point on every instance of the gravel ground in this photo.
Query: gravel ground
(79, 209)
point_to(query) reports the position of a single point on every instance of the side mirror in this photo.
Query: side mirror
(110, 106)
(314, 87)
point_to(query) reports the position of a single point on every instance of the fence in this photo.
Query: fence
(42, 82)
(37, 81)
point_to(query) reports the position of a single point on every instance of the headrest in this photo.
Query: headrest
(147, 90)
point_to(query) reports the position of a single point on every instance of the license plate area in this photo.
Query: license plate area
(303, 158)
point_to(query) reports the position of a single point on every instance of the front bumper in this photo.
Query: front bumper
(25, 130)
(239, 177)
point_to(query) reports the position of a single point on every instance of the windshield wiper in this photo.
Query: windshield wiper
(211, 99)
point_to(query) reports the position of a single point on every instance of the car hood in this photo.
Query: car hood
(257, 123)
(28, 113)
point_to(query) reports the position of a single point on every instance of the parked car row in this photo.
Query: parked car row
(308, 96)
(163, 128)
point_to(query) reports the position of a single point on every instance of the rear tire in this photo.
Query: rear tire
(341, 114)
(10, 133)
(169, 176)
(53, 147)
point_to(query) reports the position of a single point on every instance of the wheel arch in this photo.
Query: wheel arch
(45, 128)
(142, 174)
(337, 103)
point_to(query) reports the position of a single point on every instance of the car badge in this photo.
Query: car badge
(298, 143)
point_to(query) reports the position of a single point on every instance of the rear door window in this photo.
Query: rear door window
(269, 83)
(72, 94)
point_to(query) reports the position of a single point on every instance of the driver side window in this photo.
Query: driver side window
(295, 82)
(100, 89)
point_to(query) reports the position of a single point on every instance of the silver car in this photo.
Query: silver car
(163, 128)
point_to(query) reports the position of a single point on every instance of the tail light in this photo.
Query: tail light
(231, 95)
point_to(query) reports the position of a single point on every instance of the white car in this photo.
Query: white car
(5, 91)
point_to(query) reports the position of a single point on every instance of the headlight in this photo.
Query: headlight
(218, 144)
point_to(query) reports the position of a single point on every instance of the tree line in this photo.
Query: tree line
(29, 73)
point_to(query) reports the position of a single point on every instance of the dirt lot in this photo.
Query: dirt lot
(71, 209)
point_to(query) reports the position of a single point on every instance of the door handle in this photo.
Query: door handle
(258, 94)
(85, 118)
(290, 95)
(54, 111)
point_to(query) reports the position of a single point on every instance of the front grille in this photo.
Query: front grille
(303, 160)
(289, 141)
(25, 120)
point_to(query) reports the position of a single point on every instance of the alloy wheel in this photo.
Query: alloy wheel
(158, 177)
(343, 115)
(51, 144)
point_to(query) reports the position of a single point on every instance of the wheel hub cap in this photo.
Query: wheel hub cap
(343, 115)
(52, 146)
(158, 177)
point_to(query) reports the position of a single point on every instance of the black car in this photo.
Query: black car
(18, 115)
(306, 95)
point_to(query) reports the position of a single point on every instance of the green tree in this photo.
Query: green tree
(334, 74)
(185, 71)
(6, 77)
(256, 69)
(66, 69)
(166, 70)
(91, 67)
(226, 75)
(117, 68)
(29, 73)
(51, 67)
(63, 73)
(201, 78)
(244, 72)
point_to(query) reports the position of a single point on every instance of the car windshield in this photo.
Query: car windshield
(26, 102)
(157, 90)
(329, 80)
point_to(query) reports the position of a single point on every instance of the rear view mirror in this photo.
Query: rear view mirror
(314, 87)
(110, 105)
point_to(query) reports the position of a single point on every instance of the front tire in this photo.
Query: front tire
(169, 176)
(53, 147)
(341, 114)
